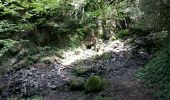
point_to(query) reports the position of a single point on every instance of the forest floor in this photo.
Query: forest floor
(115, 61)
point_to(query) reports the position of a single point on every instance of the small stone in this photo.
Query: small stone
(95, 84)
(53, 87)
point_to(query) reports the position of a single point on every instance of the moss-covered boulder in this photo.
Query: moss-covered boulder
(95, 84)
(81, 70)
(77, 83)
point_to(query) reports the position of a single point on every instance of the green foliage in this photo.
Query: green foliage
(22, 16)
(80, 70)
(122, 9)
(15, 54)
(157, 72)
(8, 28)
(152, 8)
(25, 9)
(95, 84)
(122, 33)
(6, 45)
(64, 21)
(156, 75)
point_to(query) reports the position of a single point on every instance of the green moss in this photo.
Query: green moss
(122, 33)
(77, 83)
(95, 84)
(156, 75)
(80, 70)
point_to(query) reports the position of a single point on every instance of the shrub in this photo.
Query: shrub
(95, 84)
(5, 45)
(122, 33)
(156, 75)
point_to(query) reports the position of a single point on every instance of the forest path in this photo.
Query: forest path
(118, 65)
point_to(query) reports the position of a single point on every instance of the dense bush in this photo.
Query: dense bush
(66, 22)
(5, 45)
(157, 72)
(156, 75)
(95, 84)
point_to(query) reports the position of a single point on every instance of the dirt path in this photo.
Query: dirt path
(51, 81)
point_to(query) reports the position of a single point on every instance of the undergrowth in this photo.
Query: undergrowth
(156, 75)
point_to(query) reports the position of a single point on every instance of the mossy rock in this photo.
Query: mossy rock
(105, 55)
(95, 84)
(81, 70)
(77, 83)
(104, 98)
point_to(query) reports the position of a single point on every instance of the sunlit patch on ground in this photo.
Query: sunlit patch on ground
(82, 54)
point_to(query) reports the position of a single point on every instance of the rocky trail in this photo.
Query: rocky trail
(115, 62)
